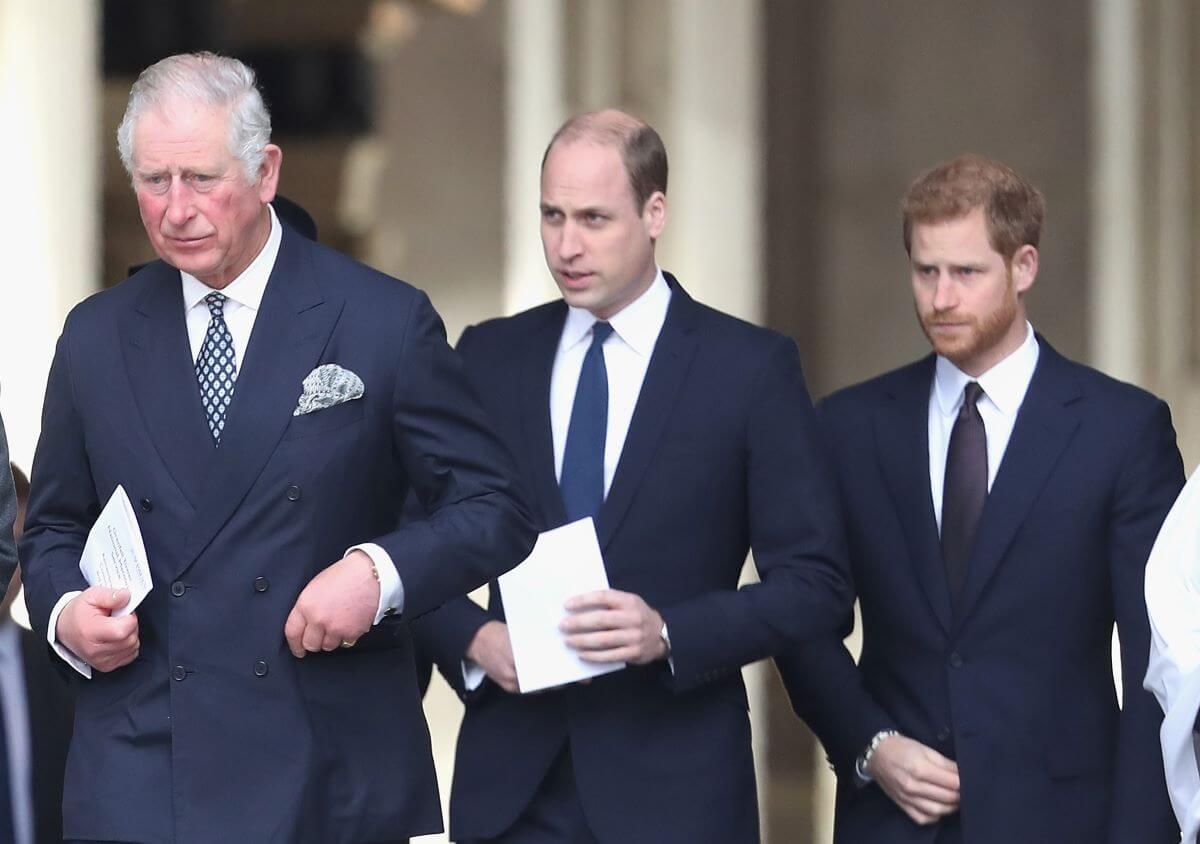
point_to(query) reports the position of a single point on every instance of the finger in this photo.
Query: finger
(922, 790)
(602, 641)
(602, 598)
(314, 636)
(101, 630)
(940, 761)
(932, 809)
(612, 655)
(293, 631)
(332, 641)
(579, 622)
(938, 776)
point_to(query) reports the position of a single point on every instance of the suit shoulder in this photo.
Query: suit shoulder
(505, 329)
(724, 329)
(354, 279)
(101, 306)
(1115, 395)
(865, 394)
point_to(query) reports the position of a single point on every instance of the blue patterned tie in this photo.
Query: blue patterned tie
(582, 479)
(216, 367)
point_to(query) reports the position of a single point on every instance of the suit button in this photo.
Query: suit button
(956, 660)
(293, 493)
(261, 584)
(261, 668)
(943, 734)
(147, 504)
(177, 589)
(178, 672)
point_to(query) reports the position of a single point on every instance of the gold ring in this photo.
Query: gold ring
(346, 644)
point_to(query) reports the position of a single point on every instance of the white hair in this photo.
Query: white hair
(205, 79)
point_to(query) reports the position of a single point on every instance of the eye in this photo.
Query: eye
(594, 218)
(551, 215)
(154, 182)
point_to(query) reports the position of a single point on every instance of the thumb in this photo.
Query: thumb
(108, 599)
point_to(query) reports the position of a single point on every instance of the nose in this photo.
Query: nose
(180, 208)
(945, 295)
(570, 245)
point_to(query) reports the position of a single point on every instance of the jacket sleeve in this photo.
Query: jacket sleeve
(63, 504)
(792, 519)
(1151, 477)
(478, 525)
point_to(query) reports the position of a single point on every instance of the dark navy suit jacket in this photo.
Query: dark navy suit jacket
(215, 732)
(1018, 687)
(720, 457)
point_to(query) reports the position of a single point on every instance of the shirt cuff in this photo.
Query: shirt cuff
(391, 590)
(666, 637)
(473, 675)
(62, 650)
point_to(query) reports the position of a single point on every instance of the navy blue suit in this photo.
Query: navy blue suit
(720, 457)
(215, 732)
(1017, 688)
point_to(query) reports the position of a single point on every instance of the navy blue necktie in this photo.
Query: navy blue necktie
(582, 479)
(216, 367)
(965, 489)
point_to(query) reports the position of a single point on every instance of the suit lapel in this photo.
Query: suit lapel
(902, 438)
(163, 378)
(536, 369)
(673, 353)
(291, 330)
(1045, 425)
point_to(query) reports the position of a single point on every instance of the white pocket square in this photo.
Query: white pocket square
(326, 386)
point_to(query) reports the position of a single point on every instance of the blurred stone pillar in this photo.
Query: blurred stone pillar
(535, 100)
(49, 84)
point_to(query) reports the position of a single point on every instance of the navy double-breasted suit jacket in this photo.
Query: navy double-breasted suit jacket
(721, 457)
(215, 732)
(1017, 687)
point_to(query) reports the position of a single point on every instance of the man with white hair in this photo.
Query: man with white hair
(267, 404)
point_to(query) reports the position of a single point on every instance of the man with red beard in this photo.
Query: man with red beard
(1000, 502)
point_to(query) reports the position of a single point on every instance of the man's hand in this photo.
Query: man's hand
(921, 781)
(491, 650)
(337, 606)
(613, 626)
(86, 627)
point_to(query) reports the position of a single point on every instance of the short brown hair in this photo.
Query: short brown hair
(642, 150)
(1013, 207)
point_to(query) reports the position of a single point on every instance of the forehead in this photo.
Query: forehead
(181, 134)
(581, 172)
(961, 237)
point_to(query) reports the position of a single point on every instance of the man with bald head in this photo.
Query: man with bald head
(688, 436)
(267, 404)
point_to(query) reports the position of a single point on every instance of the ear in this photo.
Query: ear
(268, 173)
(654, 214)
(1024, 268)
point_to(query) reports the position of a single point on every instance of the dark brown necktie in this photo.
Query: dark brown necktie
(965, 490)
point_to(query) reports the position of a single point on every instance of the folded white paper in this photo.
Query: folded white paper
(564, 563)
(114, 555)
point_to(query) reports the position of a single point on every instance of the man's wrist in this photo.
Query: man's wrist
(864, 759)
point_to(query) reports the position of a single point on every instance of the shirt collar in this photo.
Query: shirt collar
(1005, 383)
(248, 288)
(637, 324)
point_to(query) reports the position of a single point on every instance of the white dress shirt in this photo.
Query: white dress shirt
(243, 298)
(17, 730)
(627, 353)
(1004, 387)
(1173, 672)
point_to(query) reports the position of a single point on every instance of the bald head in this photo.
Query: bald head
(641, 148)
